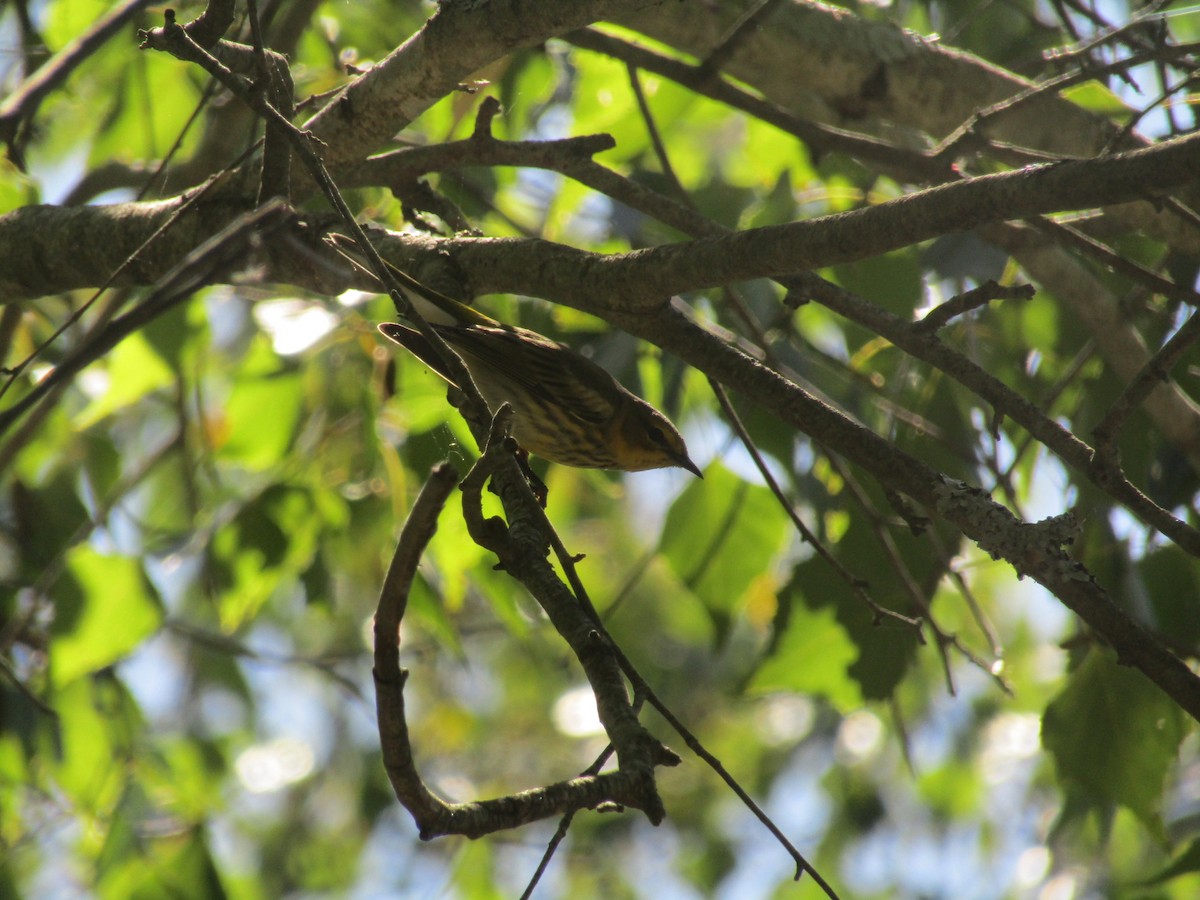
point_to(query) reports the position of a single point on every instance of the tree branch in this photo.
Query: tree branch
(457, 41)
(22, 104)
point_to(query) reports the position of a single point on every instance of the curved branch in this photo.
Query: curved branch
(434, 816)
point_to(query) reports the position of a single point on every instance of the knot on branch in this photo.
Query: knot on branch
(1057, 531)
(581, 147)
(1031, 548)
(168, 36)
(206, 29)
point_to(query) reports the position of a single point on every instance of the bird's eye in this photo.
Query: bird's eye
(655, 434)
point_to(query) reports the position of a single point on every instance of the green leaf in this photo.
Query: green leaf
(1037, 322)
(180, 333)
(886, 650)
(474, 871)
(1113, 734)
(67, 20)
(104, 608)
(179, 866)
(777, 205)
(47, 518)
(527, 84)
(1171, 582)
(133, 370)
(1096, 97)
(272, 538)
(88, 769)
(954, 790)
(1184, 863)
(720, 534)
(260, 419)
(893, 280)
(812, 657)
(16, 188)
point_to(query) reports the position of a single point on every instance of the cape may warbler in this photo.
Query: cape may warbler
(566, 408)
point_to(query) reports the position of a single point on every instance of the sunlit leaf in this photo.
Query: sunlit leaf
(812, 658)
(132, 370)
(16, 189)
(1095, 96)
(95, 722)
(173, 865)
(1184, 862)
(104, 608)
(265, 547)
(720, 534)
(259, 421)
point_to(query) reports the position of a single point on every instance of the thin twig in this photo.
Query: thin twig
(820, 139)
(564, 825)
(982, 622)
(857, 585)
(227, 644)
(390, 679)
(25, 691)
(642, 689)
(1156, 370)
(944, 640)
(878, 526)
(1133, 270)
(943, 313)
(656, 141)
(218, 254)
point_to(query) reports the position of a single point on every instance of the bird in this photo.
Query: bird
(567, 409)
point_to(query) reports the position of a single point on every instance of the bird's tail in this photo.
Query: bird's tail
(434, 307)
(412, 341)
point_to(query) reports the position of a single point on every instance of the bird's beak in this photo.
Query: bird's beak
(684, 463)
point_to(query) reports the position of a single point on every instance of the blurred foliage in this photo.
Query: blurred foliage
(192, 540)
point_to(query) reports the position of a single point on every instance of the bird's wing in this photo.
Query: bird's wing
(541, 366)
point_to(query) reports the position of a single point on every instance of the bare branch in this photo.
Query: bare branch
(941, 315)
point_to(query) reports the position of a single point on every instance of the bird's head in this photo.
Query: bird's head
(646, 439)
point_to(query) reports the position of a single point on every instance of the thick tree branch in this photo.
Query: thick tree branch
(457, 41)
(222, 257)
(1033, 550)
(834, 66)
(34, 233)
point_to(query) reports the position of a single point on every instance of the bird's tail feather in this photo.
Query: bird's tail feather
(435, 308)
